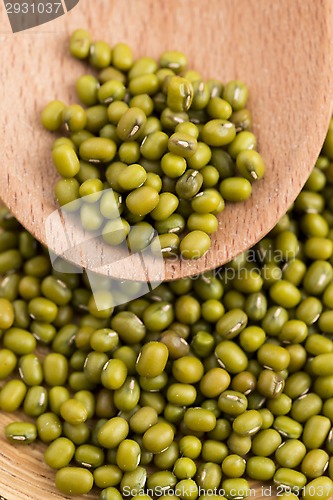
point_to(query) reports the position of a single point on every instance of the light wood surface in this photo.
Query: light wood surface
(281, 49)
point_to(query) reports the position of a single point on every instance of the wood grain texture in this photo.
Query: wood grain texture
(283, 50)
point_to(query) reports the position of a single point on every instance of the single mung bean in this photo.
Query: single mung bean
(94, 364)
(6, 314)
(49, 427)
(273, 357)
(73, 411)
(143, 419)
(144, 84)
(297, 384)
(252, 338)
(287, 427)
(19, 341)
(97, 150)
(242, 120)
(315, 431)
(232, 402)
(187, 309)
(294, 271)
(188, 370)
(158, 437)
(142, 200)
(8, 362)
(266, 442)
(55, 368)
(97, 119)
(131, 123)
(21, 432)
(174, 60)
(244, 141)
(319, 274)
(179, 93)
(30, 369)
(152, 359)
(74, 118)
(231, 357)
(184, 468)
(113, 432)
(289, 479)
(51, 116)
(195, 244)
(248, 423)
(89, 456)
(199, 419)
(260, 468)
(111, 91)
(240, 445)
(80, 42)
(66, 161)
(107, 476)
(157, 317)
(285, 294)
(318, 344)
(231, 323)
(104, 340)
(167, 204)
(321, 364)
(86, 89)
(100, 55)
(218, 132)
(322, 484)
(182, 144)
(244, 382)
(59, 453)
(214, 382)
(290, 453)
(234, 466)
(128, 455)
(74, 480)
(166, 459)
(42, 309)
(236, 488)
(161, 480)
(236, 93)
(209, 476)
(315, 463)
(113, 374)
(235, 189)
(127, 396)
(250, 165)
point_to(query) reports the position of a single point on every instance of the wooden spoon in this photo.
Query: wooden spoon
(282, 50)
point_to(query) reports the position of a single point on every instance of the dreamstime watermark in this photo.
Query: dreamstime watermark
(91, 233)
(24, 15)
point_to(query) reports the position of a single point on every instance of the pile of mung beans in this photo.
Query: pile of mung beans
(191, 390)
(207, 382)
(172, 147)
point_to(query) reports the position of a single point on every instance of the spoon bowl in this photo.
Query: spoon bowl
(281, 50)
